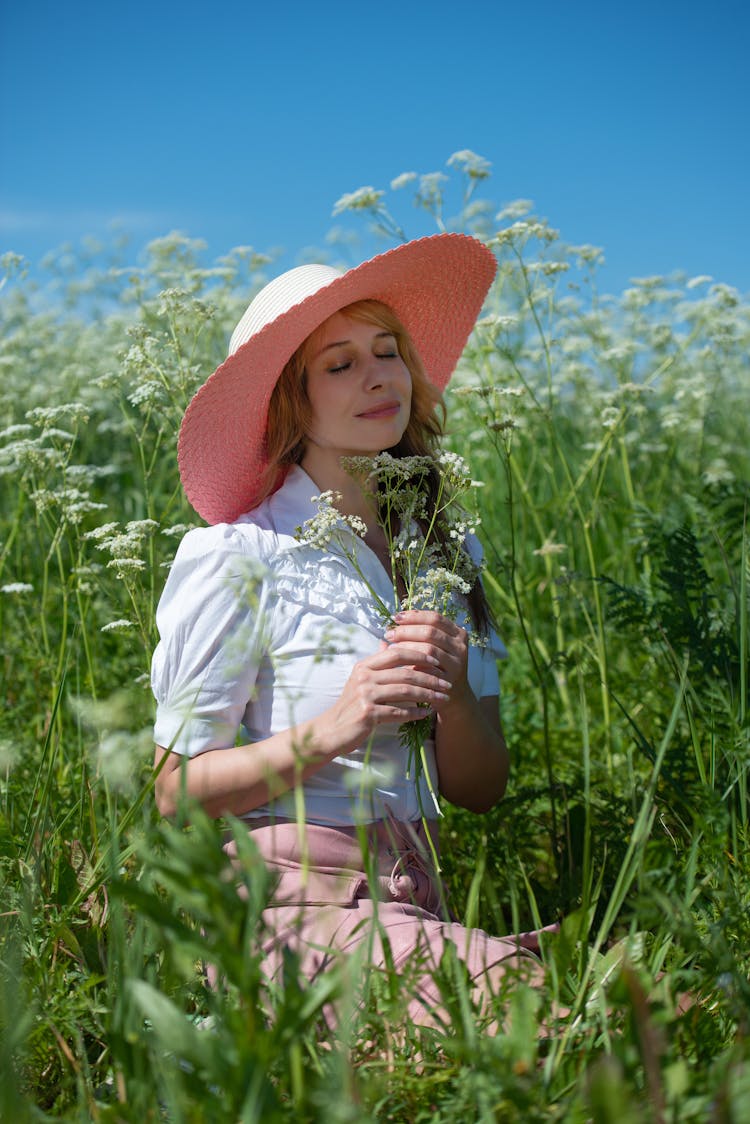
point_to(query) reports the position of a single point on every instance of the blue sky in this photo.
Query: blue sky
(243, 123)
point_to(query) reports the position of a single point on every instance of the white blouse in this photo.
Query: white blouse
(259, 632)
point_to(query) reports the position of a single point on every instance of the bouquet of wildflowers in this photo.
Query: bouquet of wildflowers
(426, 535)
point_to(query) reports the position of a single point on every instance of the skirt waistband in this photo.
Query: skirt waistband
(316, 864)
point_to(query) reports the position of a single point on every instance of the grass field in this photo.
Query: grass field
(611, 435)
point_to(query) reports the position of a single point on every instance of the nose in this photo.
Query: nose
(374, 376)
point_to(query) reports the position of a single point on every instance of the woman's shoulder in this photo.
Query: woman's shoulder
(269, 528)
(245, 538)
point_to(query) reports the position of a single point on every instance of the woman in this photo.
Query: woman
(281, 699)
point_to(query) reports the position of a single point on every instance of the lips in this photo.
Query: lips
(381, 410)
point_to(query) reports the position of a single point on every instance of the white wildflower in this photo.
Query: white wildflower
(507, 391)
(141, 526)
(430, 185)
(634, 388)
(550, 547)
(99, 534)
(386, 469)
(123, 545)
(552, 268)
(515, 210)
(587, 254)
(652, 282)
(18, 430)
(120, 755)
(436, 589)
(718, 472)
(610, 417)
(10, 754)
(523, 231)
(497, 322)
(46, 416)
(121, 625)
(702, 279)
(123, 566)
(454, 468)
(324, 529)
(17, 589)
(403, 180)
(147, 393)
(74, 512)
(363, 199)
(178, 530)
(29, 455)
(475, 167)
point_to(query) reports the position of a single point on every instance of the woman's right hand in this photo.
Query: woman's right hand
(393, 685)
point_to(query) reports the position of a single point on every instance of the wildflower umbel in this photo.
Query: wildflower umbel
(326, 527)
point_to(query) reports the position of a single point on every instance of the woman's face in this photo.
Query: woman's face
(358, 386)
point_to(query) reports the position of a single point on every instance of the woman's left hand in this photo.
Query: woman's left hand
(440, 638)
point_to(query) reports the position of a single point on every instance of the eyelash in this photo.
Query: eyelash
(345, 366)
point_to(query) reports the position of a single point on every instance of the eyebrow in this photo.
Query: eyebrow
(343, 343)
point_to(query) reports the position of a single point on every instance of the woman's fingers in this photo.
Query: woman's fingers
(399, 683)
(401, 675)
(425, 628)
(418, 670)
(400, 654)
(439, 640)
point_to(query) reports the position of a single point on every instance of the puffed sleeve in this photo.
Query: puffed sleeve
(211, 627)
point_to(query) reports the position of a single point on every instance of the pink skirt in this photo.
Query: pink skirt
(336, 901)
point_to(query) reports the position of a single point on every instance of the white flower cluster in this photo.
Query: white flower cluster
(426, 534)
(472, 165)
(363, 199)
(48, 416)
(72, 503)
(326, 526)
(430, 191)
(386, 469)
(441, 574)
(403, 180)
(29, 455)
(520, 232)
(455, 470)
(407, 543)
(549, 546)
(121, 625)
(436, 590)
(460, 524)
(124, 545)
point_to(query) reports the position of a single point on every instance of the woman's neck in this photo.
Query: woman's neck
(325, 469)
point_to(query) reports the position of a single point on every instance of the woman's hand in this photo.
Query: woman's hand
(470, 750)
(440, 640)
(393, 685)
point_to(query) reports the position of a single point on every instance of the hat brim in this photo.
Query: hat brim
(436, 286)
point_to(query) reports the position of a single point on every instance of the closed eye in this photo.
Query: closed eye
(339, 368)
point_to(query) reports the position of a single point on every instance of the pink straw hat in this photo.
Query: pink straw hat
(436, 286)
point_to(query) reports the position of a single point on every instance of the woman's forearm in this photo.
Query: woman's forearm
(472, 757)
(241, 778)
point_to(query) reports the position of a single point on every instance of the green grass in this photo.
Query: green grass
(612, 436)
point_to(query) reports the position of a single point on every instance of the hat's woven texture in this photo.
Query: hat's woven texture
(436, 287)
